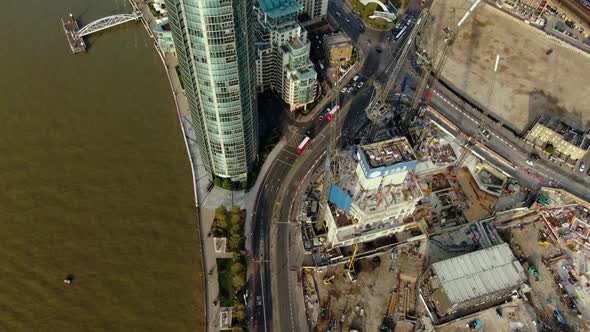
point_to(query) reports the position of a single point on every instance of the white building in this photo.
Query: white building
(377, 196)
(282, 63)
(315, 9)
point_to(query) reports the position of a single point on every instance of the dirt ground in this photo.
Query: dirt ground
(514, 316)
(370, 293)
(528, 82)
(365, 302)
(479, 201)
(546, 288)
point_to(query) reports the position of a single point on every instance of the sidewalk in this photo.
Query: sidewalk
(205, 215)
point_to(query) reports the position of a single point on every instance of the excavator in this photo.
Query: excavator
(328, 280)
(350, 272)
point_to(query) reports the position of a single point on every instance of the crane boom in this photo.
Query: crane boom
(374, 110)
(425, 79)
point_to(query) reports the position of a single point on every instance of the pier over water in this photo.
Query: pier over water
(75, 35)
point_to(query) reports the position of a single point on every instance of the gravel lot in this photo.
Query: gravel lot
(528, 83)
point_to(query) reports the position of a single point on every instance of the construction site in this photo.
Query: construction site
(381, 295)
(535, 74)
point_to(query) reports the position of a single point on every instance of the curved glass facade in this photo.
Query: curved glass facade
(215, 48)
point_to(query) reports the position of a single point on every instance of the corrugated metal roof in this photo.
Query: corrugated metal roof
(479, 273)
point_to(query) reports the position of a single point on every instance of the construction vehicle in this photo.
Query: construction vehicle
(534, 272)
(543, 239)
(558, 313)
(328, 280)
(475, 324)
(350, 271)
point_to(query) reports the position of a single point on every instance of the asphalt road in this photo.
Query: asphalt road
(513, 149)
(271, 288)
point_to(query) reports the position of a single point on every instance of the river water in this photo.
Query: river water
(94, 179)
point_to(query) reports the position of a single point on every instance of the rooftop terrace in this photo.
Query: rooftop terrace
(278, 8)
(388, 153)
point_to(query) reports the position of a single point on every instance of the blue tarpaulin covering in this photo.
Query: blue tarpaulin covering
(340, 198)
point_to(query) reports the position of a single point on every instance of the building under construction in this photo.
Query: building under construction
(472, 282)
(376, 194)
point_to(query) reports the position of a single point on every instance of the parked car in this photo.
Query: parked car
(360, 85)
(582, 167)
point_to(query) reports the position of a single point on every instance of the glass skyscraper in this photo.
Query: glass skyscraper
(215, 48)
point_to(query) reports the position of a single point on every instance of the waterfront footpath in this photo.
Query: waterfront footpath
(207, 201)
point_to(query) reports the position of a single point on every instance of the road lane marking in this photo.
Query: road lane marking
(284, 162)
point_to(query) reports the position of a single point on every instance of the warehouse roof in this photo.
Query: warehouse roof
(479, 273)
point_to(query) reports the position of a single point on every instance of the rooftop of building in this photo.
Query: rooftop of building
(388, 153)
(568, 133)
(349, 191)
(478, 273)
(278, 8)
(336, 39)
(306, 73)
(295, 43)
(164, 25)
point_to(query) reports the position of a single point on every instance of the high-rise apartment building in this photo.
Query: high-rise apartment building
(315, 9)
(215, 47)
(283, 63)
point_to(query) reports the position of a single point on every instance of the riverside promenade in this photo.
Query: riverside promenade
(206, 201)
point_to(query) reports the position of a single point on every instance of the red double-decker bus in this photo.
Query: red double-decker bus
(303, 144)
(333, 113)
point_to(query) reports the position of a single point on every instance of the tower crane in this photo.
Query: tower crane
(378, 105)
(451, 36)
(331, 171)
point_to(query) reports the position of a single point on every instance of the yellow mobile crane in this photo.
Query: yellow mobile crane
(350, 272)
